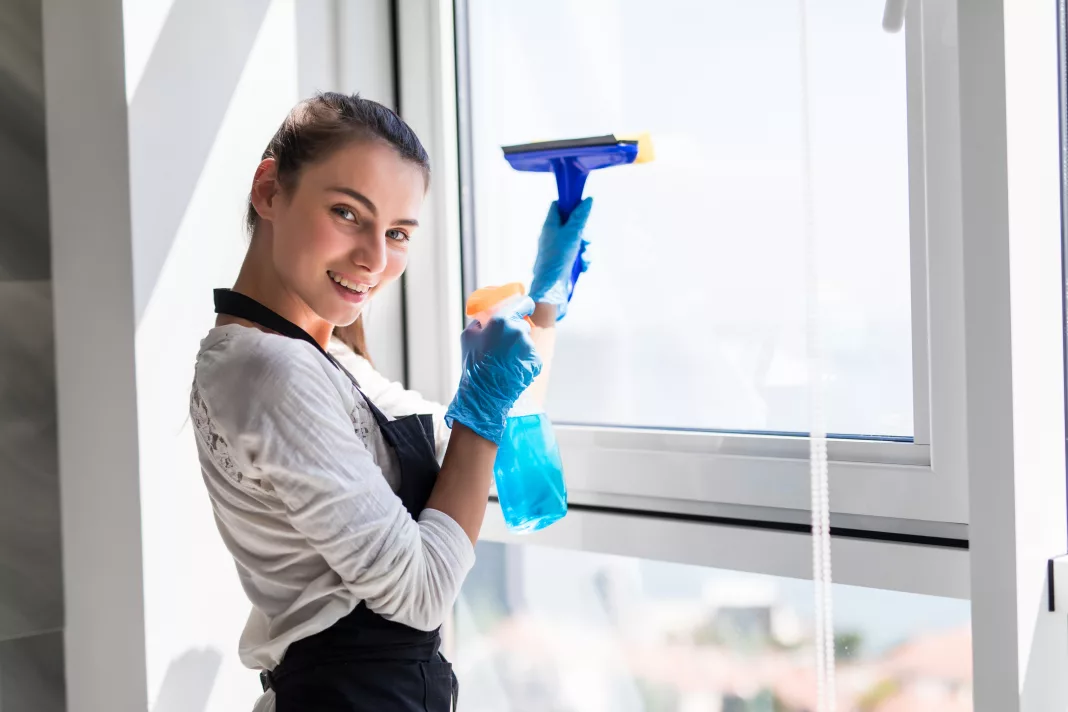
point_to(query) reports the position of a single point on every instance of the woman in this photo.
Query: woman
(350, 542)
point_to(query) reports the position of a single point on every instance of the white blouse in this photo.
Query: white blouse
(391, 397)
(303, 488)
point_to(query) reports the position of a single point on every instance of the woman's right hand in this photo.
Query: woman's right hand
(499, 362)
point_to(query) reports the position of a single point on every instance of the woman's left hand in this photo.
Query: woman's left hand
(558, 247)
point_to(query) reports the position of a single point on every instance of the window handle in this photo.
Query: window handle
(894, 15)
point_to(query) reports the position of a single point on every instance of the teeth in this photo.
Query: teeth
(360, 288)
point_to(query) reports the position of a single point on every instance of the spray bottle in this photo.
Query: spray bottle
(528, 471)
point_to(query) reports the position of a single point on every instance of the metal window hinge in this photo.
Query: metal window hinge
(1057, 573)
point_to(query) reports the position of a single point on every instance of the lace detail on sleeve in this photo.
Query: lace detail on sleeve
(362, 419)
(215, 444)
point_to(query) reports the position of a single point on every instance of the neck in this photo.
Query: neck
(258, 280)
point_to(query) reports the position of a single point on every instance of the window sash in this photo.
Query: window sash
(922, 481)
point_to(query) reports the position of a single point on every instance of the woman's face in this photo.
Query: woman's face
(342, 233)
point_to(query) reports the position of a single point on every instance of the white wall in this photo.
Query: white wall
(88, 184)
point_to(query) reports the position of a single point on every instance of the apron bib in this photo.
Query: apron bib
(363, 662)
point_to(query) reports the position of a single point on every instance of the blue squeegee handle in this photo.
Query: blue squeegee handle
(570, 180)
(571, 162)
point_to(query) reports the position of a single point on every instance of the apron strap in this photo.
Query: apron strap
(235, 304)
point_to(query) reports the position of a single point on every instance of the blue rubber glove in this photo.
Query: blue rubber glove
(499, 362)
(558, 247)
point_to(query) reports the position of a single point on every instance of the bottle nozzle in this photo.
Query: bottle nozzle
(487, 299)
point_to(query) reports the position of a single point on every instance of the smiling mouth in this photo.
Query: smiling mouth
(352, 287)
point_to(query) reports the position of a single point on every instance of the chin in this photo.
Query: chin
(344, 314)
(328, 308)
(348, 321)
(342, 317)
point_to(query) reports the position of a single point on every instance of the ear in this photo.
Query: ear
(265, 188)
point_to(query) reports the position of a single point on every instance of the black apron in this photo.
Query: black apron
(362, 663)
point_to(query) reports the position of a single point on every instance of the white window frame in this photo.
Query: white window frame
(1014, 323)
(908, 489)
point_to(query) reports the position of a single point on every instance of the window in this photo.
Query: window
(546, 629)
(702, 396)
(700, 377)
(693, 315)
(926, 515)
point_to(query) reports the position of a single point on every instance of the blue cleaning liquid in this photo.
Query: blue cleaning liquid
(530, 477)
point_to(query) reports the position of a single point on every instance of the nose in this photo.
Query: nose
(370, 252)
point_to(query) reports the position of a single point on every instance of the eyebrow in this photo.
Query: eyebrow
(361, 198)
(358, 197)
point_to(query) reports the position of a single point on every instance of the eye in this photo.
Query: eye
(399, 235)
(344, 213)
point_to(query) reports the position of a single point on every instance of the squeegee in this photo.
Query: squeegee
(571, 160)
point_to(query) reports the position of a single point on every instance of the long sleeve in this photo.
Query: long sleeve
(277, 405)
(392, 397)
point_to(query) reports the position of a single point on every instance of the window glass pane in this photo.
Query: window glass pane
(551, 630)
(692, 315)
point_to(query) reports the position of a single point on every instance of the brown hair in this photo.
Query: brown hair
(317, 127)
(354, 337)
